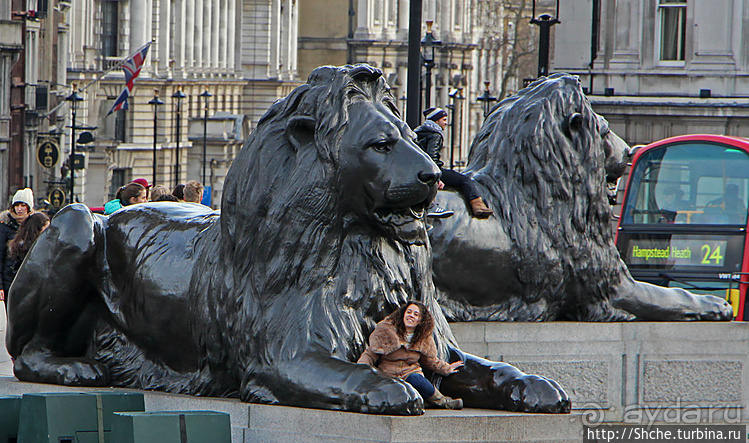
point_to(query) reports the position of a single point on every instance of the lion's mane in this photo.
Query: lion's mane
(298, 268)
(547, 181)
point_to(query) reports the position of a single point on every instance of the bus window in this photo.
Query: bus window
(689, 183)
(684, 218)
(728, 208)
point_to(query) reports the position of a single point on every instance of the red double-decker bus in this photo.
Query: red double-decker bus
(684, 216)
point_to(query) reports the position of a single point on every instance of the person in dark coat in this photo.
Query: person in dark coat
(21, 206)
(27, 233)
(431, 139)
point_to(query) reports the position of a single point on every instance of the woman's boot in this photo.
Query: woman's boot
(479, 208)
(440, 401)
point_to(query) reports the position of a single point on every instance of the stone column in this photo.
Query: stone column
(216, 31)
(188, 42)
(138, 24)
(223, 36)
(198, 36)
(274, 38)
(179, 40)
(208, 36)
(231, 42)
(293, 7)
(164, 37)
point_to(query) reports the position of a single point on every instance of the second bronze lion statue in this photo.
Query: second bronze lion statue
(322, 233)
(542, 160)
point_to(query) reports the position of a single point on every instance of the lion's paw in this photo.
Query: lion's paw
(62, 371)
(84, 374)
(713, 309)
(533, 393)
(392, 397)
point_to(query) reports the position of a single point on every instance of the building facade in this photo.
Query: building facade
(660, 68)
(476, 47)
(11, 46)
(246, 54)
(227, 59)
(30, 83)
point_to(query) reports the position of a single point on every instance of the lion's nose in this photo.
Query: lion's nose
(430, 177)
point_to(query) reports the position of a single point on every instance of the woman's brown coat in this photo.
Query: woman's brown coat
(392, 355)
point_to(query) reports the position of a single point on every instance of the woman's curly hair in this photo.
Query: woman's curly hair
(423, 329)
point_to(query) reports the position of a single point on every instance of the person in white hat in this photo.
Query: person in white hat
(21, 206)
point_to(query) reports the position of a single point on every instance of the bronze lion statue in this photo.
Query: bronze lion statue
(321, 234)
(542, 160)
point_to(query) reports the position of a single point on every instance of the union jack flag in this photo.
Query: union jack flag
(131, 67)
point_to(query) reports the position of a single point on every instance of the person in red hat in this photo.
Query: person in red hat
(143, 182)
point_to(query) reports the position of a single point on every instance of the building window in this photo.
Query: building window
(673, 30)
(120, 125)
(41, 8)
(110, 30)
(120, 177)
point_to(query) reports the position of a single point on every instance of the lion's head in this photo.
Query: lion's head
(545, 157)
(326, 205)
(336, 146)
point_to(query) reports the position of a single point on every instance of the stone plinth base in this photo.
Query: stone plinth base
(636, 372)
(264, 423)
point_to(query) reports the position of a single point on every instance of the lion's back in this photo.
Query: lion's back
(163, 238)
(538, 161)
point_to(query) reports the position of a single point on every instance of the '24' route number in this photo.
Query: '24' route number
(708, 255)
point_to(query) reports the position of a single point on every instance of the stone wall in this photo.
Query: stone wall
(635, 372)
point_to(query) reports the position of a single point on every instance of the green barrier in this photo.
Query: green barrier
(73, 417)
(171, 427)
(10, 411)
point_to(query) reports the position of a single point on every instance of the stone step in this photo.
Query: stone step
(265, 423)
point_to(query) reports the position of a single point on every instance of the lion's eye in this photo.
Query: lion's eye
(382, 146)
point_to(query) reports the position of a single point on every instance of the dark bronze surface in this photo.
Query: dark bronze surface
(542, 160)
(321, 234)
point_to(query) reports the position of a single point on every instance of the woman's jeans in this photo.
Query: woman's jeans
(421, 384)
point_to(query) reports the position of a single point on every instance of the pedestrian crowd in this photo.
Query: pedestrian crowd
(21, 224)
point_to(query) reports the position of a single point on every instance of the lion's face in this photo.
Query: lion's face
(616, 151)
(384, 176)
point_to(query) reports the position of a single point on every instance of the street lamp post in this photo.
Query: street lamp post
(74, 98)
(455, 95)
(413, 83)
(544, 22)
(177, 96)
(486, 98)
(205, 96)
(427, 57)
(155, 102)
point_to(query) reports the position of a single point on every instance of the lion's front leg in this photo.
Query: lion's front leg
(51, 305)
(651, 302)
(496, 385)
(324, 382)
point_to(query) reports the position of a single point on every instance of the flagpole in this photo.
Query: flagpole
(101, 76)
